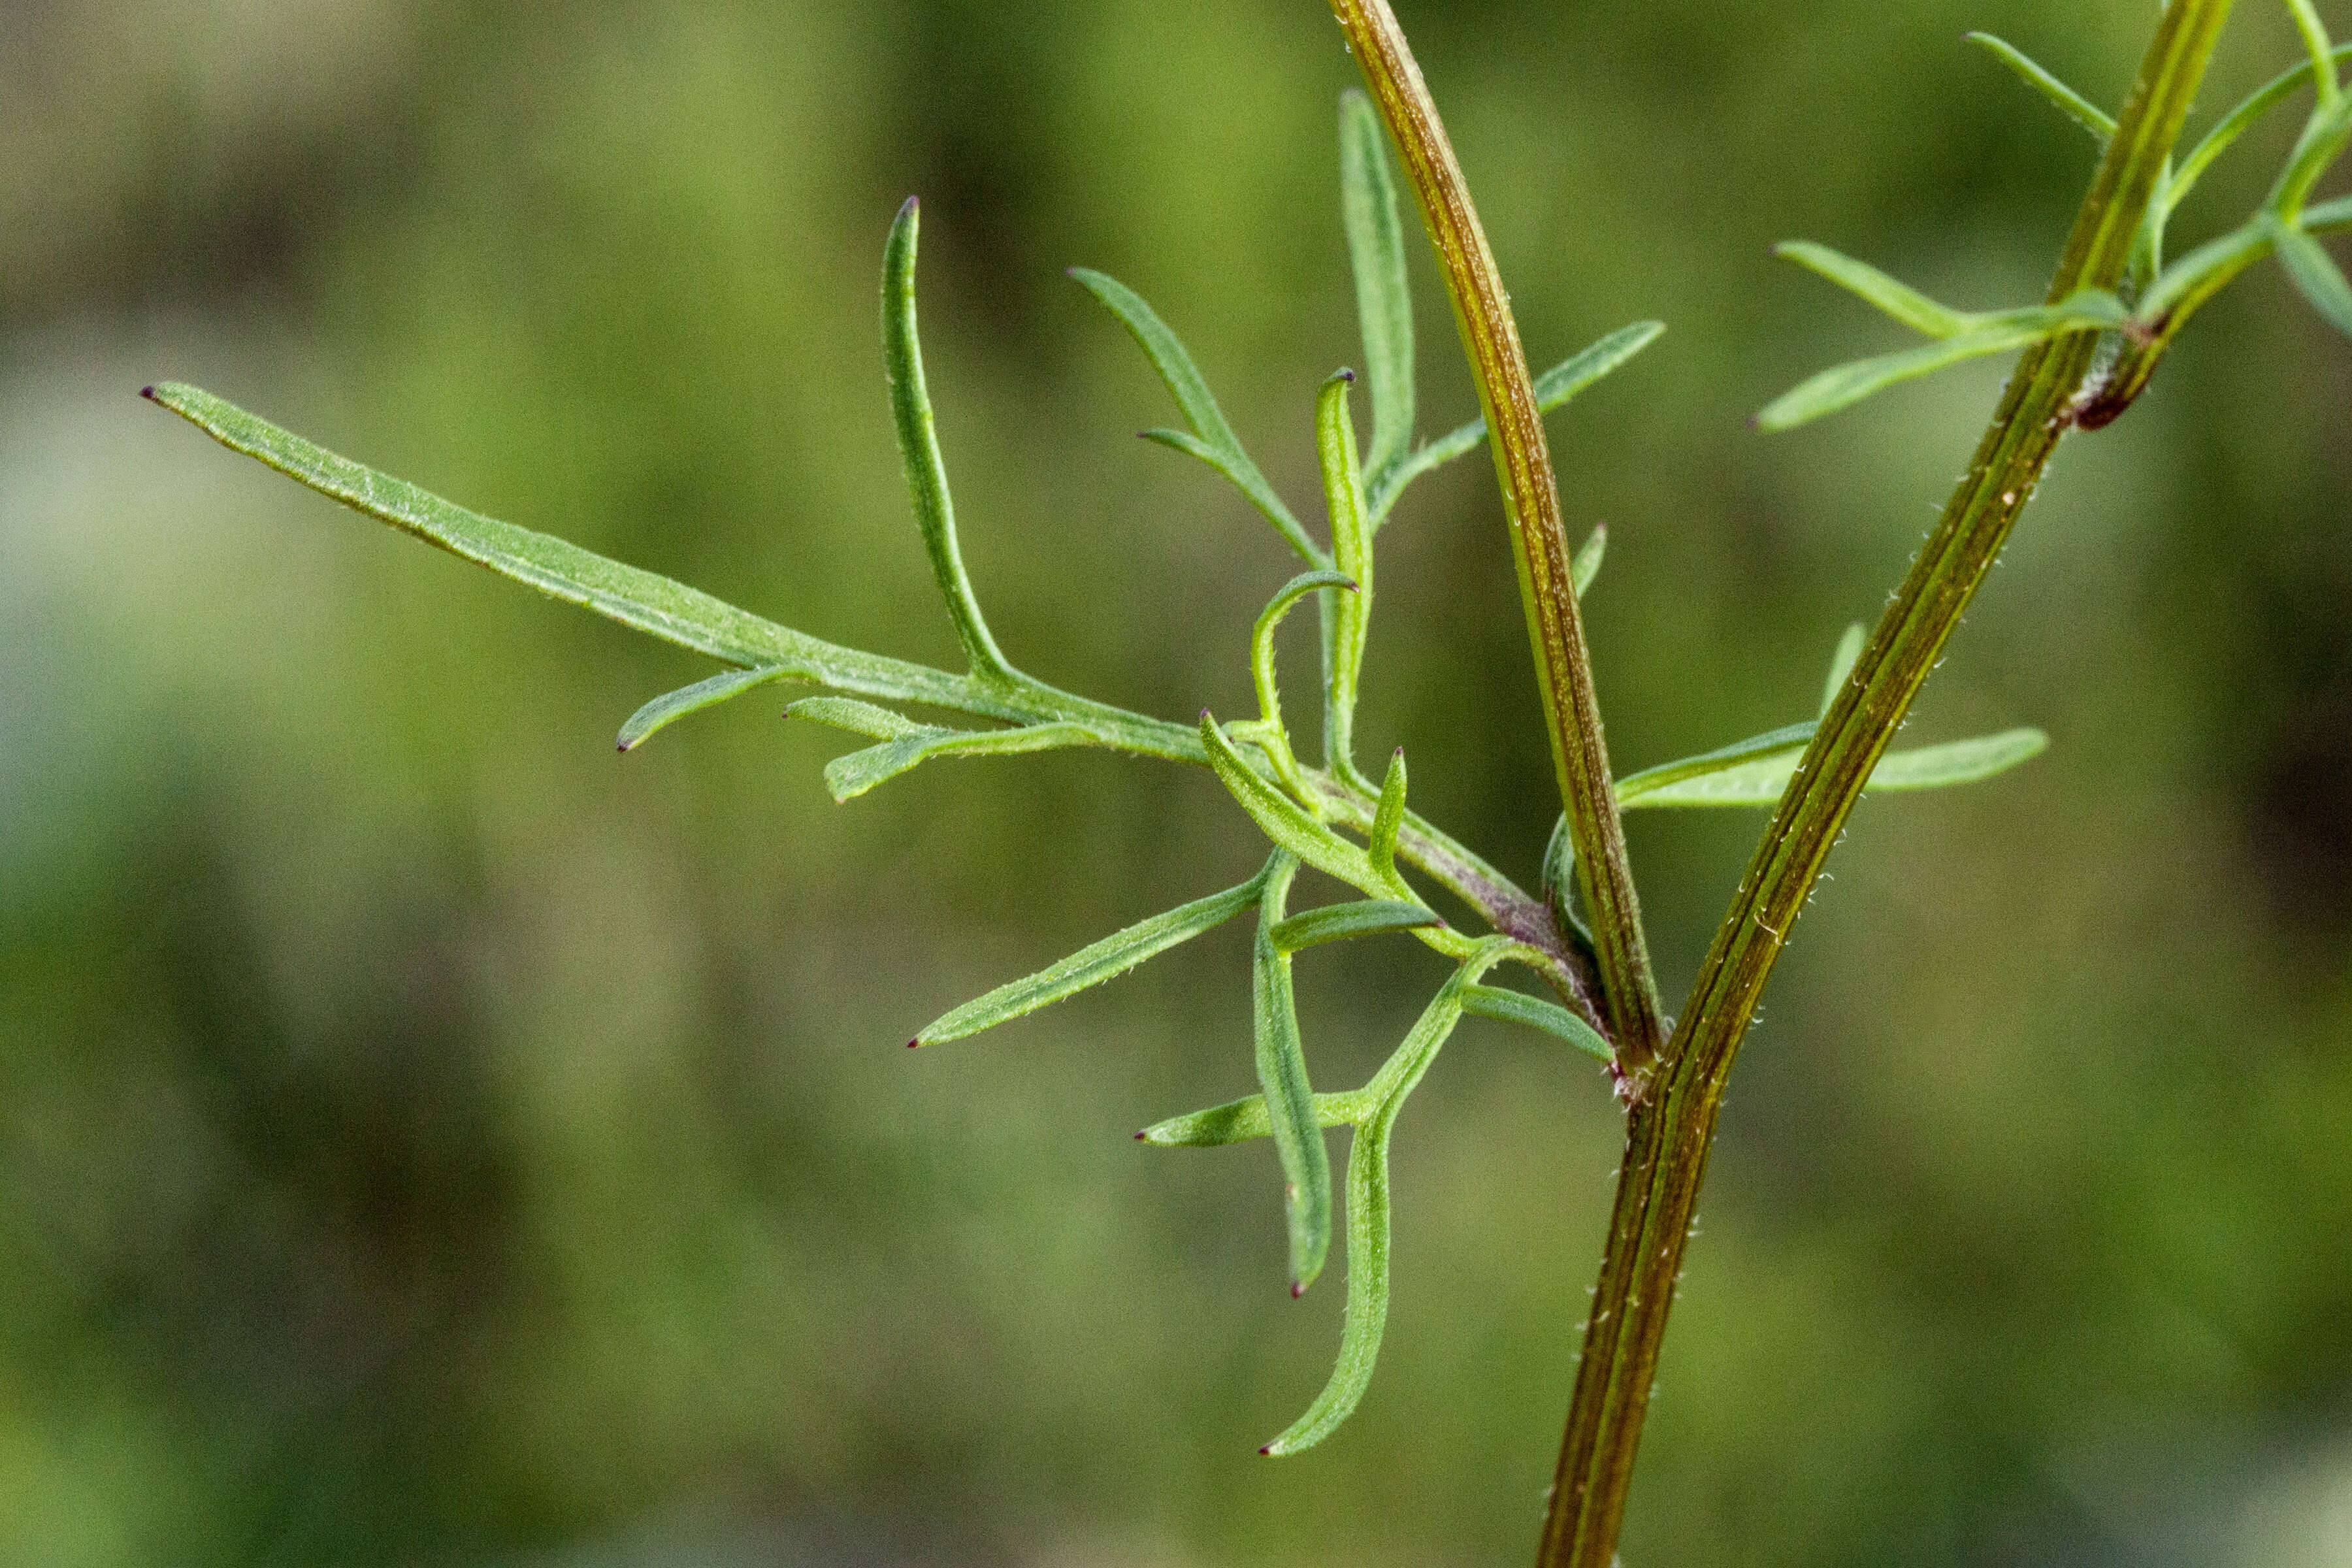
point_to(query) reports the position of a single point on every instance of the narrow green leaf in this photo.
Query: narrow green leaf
(919, 445)
(2072, 104)
(1368, 203)
(2328, 218)
(1219, 447)
(1956, 762)
(1786, 742)
(1282, 819)
(2315, 274)
(1282, 1078)
(856, 718)
(1582, 570)
(1106, 960)
(1762, 782)
(670, 707)
(642, 600)
(2238, 121)
(2315, 39)
(1262, 670)
(1579, 370)
(1554, 387)
(1997, 334)
(1842, 663)
(1388, 821)
(1245, 1119)
(1534, 1013)
(1898, 299)
(1368, 1212)
(1351, 553)
(1337, 923)
(852, 775)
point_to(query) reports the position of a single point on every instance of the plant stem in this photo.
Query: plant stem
(1540, 543)
(1669, 1134)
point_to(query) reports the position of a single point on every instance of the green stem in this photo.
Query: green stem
(1669, 1133)
(1540, 542)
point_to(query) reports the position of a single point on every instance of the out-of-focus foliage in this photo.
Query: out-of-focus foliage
(425, 1136)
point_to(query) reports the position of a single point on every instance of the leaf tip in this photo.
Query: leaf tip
(912, 205)
(1266, 1452)
(1297, 1289)
(147, 393)
(919, 1040)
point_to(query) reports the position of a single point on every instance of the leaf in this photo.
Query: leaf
(1106, 960)
(1554, 387)
(1352, 552)
(1337, 923)
(1957, 762)
(1245, 1119)
(1998, 333)
(2072, 104)
(2235, 124)
(1388, 821)
(1281, 1078)
(1585, 566)
(670, 707)
(1842, 663)
(671, 611)
(852, 775)
(1534, 1013)
(1368, 203)
(1898, 299)
(2328, 216)
(2315, 274)
(919, 445)
(1218, 447)
(1281, 819)
(1368, 1213)
(1762, 782)
(856, 718)
(1786, 741)
(1262, 670)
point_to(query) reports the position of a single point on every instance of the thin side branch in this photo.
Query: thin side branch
(1539, 542)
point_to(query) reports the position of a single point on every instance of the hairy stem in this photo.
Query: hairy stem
(1669, 1134)
(1539, 542)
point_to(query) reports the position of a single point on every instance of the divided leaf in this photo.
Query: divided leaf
(1106, 960)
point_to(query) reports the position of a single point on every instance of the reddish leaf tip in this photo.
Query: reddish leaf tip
(147, 393)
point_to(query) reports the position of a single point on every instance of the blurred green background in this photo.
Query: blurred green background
(428, 1139)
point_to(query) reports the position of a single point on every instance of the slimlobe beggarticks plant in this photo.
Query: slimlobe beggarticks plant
(2114, 308)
